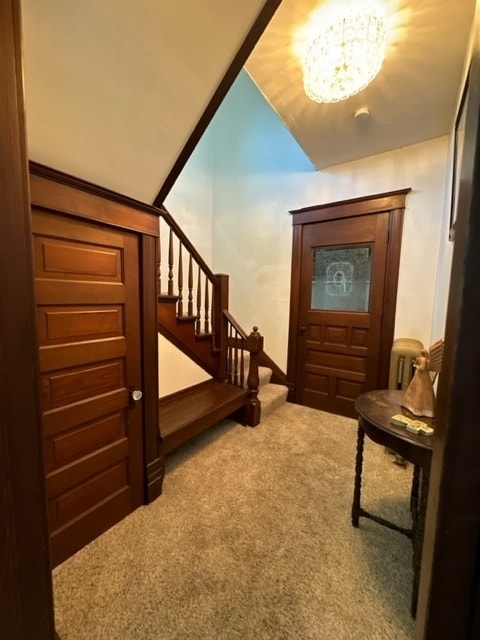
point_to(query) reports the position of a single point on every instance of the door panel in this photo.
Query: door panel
(343, 266)
(88, 325)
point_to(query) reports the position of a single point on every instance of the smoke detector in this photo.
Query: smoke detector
(361, 114)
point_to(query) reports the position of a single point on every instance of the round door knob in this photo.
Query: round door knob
(137, 395)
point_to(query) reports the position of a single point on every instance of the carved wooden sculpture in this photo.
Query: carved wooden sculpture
(419, 397)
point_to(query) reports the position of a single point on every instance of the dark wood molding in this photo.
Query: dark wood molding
(263, 18)
(391, 287)
(153, 468)
(41, 170)
(295, 279)
(75, 198)
(181, 392)
(364, 205)
(25, 576)
(155, 475)
(278, 375)
(449, 586)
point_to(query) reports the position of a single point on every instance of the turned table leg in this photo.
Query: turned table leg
(358, 477)
(418, 531)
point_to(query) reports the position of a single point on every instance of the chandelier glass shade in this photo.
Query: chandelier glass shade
(345, 54)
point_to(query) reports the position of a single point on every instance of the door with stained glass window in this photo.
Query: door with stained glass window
(343, 266)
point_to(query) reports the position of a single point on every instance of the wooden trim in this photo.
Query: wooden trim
(76, 197)
(278, 376)
(390, 294)
(234, 69)
(154, 465)
(187, 245)
(294, 302)
(25, 577)
(155, 475)
(448, 600)
(221, 333)
(354, 207)
(178, 394)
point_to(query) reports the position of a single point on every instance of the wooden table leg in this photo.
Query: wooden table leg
(418, 531)
(358, 477)
(414, 497)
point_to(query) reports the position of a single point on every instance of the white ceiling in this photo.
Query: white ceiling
(413, 98)
(115, 88)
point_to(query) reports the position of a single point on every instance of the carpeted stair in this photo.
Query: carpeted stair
(271, 396)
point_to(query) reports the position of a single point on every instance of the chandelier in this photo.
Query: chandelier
(345, 54)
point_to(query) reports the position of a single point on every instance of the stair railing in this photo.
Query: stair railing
(202, 297)
(238, 345)
(184, 275)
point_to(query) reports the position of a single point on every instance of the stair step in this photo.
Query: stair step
(164, 297)
(271, 396)
(191, 319)
(204, 336)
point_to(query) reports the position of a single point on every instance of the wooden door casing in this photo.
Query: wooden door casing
(336, 355)
(88, 328)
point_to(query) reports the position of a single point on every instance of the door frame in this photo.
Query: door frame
(393, 203)
(25, 576)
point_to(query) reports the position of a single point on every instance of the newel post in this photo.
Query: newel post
(220, 304)
(254, 344)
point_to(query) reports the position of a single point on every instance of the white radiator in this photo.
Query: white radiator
(404, 353)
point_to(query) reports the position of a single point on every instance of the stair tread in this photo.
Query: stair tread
(271, 396)
(198, 403)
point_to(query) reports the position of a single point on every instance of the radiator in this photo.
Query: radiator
(404, 353)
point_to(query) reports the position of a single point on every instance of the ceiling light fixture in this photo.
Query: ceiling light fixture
(346, 52)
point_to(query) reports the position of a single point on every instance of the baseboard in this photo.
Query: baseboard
(155, 474)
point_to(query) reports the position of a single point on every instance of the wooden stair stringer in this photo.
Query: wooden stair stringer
(181, 333)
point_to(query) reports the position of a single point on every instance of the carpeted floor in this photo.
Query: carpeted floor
(252, 540)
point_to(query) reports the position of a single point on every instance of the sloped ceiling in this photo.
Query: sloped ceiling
(114, 88)
(412, 99)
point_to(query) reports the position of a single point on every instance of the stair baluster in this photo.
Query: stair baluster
(159, 266)
(198, 325)
(190, 286)
(180, 280)
(170, 263)
(206, 323)
(235, 360)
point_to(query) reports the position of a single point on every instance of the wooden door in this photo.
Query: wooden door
(88, 326)
(343, 267)
(341, 334)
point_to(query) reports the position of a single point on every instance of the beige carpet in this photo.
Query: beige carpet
(252, 539)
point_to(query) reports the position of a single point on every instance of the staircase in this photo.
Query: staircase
(192, 312)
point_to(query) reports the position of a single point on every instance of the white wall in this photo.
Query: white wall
(259, 174)
(255, 186)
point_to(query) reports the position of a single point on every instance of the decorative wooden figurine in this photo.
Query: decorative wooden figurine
(419, 397)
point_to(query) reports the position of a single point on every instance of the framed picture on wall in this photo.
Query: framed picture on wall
(458, 142)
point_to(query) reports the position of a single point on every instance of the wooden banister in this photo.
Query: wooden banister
(206, 307)
(203, 285)
(189, 247)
